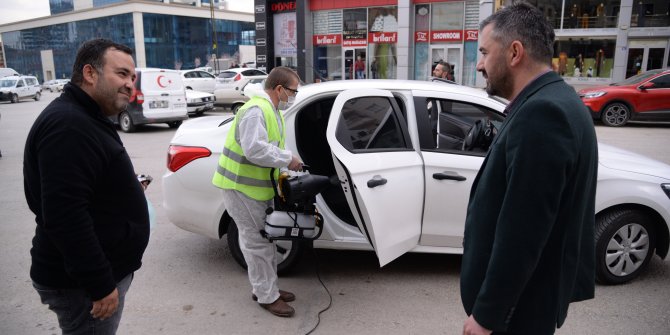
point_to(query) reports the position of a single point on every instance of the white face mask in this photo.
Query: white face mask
(284, 105)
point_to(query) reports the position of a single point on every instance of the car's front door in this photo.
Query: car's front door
(380, 174)
(656, 98)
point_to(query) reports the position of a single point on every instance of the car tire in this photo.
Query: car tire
(289, 251)
(615, 114)
(234, 108)
(174, 124)
(37, 97)
(625, 243)
(126, 123)
(15, 98)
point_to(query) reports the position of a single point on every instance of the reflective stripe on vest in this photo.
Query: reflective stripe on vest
(235, 171)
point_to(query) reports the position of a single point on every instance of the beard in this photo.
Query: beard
(110, 99)
(499, 81)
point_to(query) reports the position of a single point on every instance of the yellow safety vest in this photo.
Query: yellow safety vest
(235, 172)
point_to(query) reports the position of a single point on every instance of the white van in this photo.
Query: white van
(7, 71)
(15, 88)
(159, 97)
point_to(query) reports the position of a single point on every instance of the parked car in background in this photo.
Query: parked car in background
(15, 88)
(199, 80)
(406, 154)
(644, 97)
(55, 85)
(159, 97)
(230, 84)
(199, 102)
(233, 98)
(8, 71)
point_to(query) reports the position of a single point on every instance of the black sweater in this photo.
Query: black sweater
(91, 213)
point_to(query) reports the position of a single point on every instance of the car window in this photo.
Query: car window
(190, 75)
(20, 83)
(7, 83)
(253, 72)
(204, 74)
(662, 81)
(370, 123)
(449, 123)
(227, 74)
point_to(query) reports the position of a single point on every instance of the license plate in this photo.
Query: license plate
(159, 104)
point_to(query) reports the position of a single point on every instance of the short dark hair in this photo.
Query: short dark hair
(280, 75)
(92, 52)
(445, 65)
(523, 22)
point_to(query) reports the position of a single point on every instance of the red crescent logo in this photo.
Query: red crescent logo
(160, 81)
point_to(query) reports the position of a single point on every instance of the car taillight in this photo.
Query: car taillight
(178, 156)
(237, 77)
(140, 97)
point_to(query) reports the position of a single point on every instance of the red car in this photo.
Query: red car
(644, 97)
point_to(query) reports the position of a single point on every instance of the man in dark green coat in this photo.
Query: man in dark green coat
(529, 234)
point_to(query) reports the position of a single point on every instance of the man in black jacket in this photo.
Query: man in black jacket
(91, 213)
(528, 249)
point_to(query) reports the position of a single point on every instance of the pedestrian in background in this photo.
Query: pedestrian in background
(528, 249)
(254, 145)
(91, 213)
(443, 70)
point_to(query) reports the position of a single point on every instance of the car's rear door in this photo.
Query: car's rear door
(380, 174)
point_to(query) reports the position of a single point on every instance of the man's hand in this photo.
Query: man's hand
(106, 307)
(295, 165)
(471, 327)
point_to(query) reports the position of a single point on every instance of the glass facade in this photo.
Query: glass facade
(654, 13)
(580, 57)
(61, 6)
(98, 3)
(23, 48)
(175, 42)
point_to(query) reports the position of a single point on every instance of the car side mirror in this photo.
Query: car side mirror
(646, 86)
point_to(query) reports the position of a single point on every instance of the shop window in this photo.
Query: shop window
(383, 27)
(589, 14)
(584, 57)
(650, 13)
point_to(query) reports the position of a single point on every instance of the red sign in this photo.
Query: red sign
(421, 36)
(383, 37)
(354, 43)
(327, 39)
(471, 35)
(282, 6)
(446, 36)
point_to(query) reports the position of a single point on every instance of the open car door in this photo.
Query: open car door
(380, 174)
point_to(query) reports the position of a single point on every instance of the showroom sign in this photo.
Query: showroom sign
(328, 39)
(446, 36)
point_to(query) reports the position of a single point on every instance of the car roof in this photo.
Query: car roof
(388, 84)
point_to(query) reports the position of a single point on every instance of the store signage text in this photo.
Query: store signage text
(354, 43)
(260, 42)
(383, 37)
(260, 25)
(282, 6)
(260, 58)
(327, 39)
(421, 36)
(260, 9)
(446, 36)
(471, 35)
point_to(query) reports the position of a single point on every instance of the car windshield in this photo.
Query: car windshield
(7, 83)
(638, 78)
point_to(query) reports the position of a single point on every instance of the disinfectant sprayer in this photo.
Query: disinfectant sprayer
(294, 216)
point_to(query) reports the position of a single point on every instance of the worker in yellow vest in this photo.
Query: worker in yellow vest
(255, 145)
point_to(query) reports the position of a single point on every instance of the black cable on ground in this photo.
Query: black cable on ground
(330, 297)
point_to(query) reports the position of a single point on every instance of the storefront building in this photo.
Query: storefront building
(162, 34)
(598, 41)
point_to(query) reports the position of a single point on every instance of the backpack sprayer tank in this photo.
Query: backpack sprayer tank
(294, 216)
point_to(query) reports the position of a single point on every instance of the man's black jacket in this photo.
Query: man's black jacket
(91, 213)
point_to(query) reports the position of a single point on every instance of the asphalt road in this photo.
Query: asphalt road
(190, 284)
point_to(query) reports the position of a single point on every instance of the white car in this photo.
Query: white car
(55, 85)
(230, 84)
(199, 80)
(199, 102)
(406, 154)
(15, 88)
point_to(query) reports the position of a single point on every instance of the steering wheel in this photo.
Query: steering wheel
(472, 138)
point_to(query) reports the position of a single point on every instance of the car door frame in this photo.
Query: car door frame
(384, 187)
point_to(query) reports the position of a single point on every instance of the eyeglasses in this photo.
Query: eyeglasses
(290, 89)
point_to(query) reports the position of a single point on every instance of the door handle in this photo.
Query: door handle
(376, 181)
(448, 175)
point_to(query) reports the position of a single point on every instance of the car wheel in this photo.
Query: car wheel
(289, 252)
(15, 98)
(625, 243)
(174, 124)
(616, 114)
(235, 108)
(126, 123)
(38, 95)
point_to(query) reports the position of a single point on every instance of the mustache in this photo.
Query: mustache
(125, 91)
